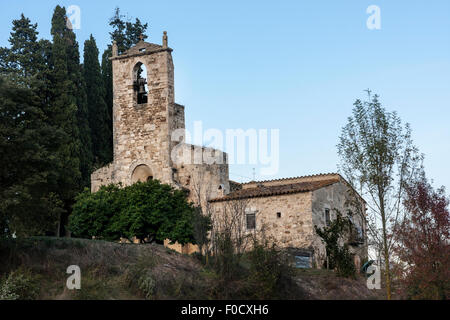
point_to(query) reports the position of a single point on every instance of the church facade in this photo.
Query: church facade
(148, 143)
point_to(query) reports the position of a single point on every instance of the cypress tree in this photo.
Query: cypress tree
(75, 70)
(99, 117)
(64, 109)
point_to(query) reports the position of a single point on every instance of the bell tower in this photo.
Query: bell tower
(143, 112)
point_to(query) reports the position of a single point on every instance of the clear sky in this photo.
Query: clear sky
(296, 66)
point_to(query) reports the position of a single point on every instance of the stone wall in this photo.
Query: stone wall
(142, 131)
(289, 219)
(336, 197)
(207, 178)
(102, 176)
(292, 228)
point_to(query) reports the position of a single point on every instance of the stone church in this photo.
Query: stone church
(148, 135)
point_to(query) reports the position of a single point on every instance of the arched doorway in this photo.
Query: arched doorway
(141, 173)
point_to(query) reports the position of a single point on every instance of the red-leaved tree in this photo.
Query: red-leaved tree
(423, 243)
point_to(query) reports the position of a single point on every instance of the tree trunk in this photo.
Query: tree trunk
(385, 250)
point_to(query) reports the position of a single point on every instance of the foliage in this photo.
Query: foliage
(202, 225)
(334, 236)
(226, 262)
(150, 211)
(378, 157)
(19, 285)
(269, 270)
(56, 121)
(98, 114)
(28, 202)
(422, 243)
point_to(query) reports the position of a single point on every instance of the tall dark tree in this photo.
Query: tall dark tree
(79, 92)
(22, 58)
(106, 68)
(29, 170)
(28, 203)
(64, 108)
(99, 118)
(126, 34)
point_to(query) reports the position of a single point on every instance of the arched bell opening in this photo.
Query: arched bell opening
(140, 84)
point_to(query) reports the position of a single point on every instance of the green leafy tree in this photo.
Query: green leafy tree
(28, 203)
(99, 117)
(23, 57)
(378, 157)
(335, 236)
(29, 199)
(149, 211)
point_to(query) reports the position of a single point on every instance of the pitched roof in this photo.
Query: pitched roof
(140, 49)
(142, 46)
(266, 191)
(312, 176)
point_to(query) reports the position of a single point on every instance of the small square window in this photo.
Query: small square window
(251, 221)
(278, 214)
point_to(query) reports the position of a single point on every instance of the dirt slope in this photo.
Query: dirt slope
(130, 271)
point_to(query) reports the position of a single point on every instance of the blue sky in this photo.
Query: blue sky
(296, 66)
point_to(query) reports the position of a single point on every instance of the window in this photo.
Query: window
(303, 261)
(251, 221)
(327, 217)
(278, 214)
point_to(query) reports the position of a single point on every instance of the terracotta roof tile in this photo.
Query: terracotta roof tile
(293, 178)
(266, 191)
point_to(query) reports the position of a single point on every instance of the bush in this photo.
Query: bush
(270, 271)
(226, 261)
(19, 285)
(334, 237)
(149, 211)
(147, 284)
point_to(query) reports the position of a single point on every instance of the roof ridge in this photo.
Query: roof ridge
(291, 178)
(266, 191)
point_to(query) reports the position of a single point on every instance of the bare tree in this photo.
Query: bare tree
(202, 192)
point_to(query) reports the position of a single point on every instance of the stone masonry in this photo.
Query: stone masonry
(142, 132)
(148, 137)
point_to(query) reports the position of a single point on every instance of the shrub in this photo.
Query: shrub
(19, 285)
(147, 284)
(337, 249)
(270, 271)
(149, 211)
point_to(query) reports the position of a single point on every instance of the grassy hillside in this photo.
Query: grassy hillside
(36, 267)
